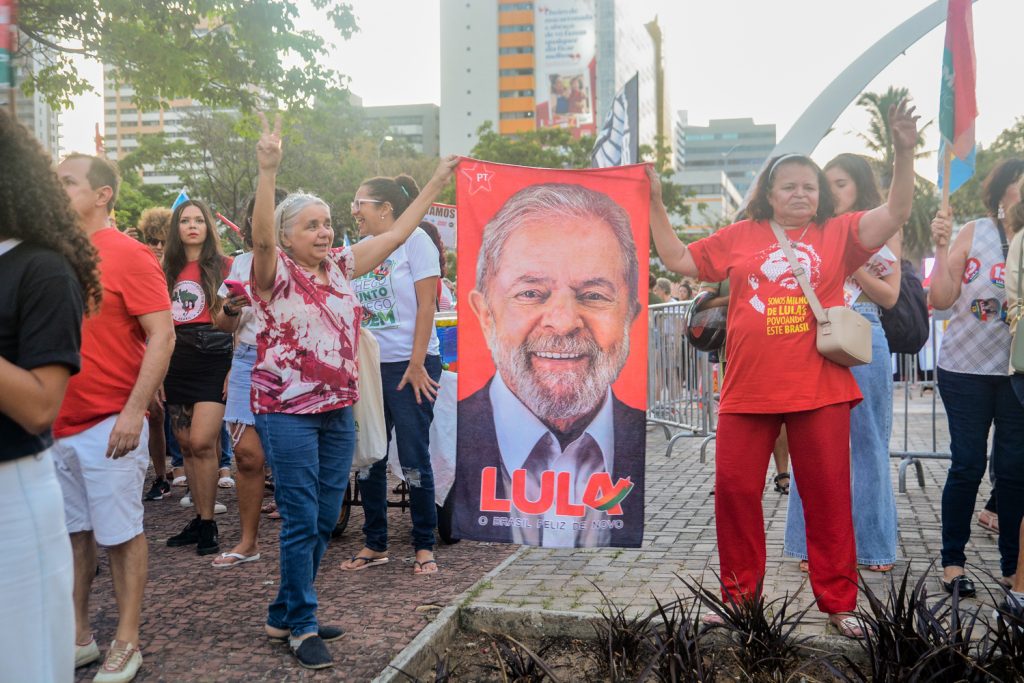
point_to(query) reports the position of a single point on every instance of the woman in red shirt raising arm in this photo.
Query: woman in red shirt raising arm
(776, 375)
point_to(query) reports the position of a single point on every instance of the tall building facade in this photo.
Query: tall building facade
(736, 146)
(547, 63)
(414, 124)
(32, 111)
(124, 125)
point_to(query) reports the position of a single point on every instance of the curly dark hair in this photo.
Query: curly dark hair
(211, 258)
(760, 209)
(153, 223)
(35, 209)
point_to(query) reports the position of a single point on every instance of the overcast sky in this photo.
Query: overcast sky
(725, 59)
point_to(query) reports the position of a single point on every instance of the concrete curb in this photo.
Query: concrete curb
(417, 657)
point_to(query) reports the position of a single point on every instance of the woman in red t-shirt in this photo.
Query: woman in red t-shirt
(776, 375)
(195, 267)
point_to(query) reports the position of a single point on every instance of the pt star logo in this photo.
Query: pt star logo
(478, 176)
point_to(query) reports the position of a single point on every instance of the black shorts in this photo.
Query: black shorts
(195, 376)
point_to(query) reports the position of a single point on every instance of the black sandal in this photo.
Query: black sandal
(962, 585)
(779, 486)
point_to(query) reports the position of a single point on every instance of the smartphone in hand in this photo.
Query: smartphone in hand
(236, 288)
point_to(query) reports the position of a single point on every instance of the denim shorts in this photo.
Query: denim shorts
(239, 407)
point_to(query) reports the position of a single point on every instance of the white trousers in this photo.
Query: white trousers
(37, 631)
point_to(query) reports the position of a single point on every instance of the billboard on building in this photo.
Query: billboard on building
(565, 48)
(7, 20)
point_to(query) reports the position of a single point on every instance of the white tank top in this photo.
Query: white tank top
(977, 339)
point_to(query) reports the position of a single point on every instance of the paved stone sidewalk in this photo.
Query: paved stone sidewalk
(680, 534)
(206, 624)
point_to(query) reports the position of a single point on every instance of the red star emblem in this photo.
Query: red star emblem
(478, 176)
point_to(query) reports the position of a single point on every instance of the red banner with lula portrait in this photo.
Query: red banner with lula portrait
(552, 338)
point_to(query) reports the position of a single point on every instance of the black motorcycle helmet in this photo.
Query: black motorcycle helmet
(705, 327)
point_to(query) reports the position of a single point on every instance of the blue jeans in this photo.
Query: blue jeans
(973, 403)
(311, 457)
(411, 422)
(874, 504)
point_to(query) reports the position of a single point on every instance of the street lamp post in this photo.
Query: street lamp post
(380, 149)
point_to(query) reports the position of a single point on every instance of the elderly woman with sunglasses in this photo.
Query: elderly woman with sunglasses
(305, 378)
(776, 374)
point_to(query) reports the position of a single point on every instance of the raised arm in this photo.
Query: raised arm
(264, 241)
(879, 224)
(670, 248)
(950, 262)
(371, 253)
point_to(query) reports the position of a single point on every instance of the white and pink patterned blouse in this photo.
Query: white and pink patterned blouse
(307, 339)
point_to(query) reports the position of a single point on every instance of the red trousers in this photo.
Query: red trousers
(819, 448)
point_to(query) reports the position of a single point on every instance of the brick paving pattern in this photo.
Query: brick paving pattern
(206, 624)
(680, 534)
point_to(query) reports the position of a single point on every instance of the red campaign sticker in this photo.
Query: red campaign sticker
(998, 275)
(971, 270)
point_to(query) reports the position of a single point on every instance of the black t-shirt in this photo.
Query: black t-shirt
(40, 324)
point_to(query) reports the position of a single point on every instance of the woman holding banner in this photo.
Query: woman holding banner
(776, 374)
(975, 389)
(399, 301)
(305, 378)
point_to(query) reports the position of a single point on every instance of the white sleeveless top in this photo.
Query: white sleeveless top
(977, 339)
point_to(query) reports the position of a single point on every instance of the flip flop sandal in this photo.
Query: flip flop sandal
(238, 557)
(848, 627)
(367, 562)
(424, 563)
(781, 487)
(181, 480)
(989, 521)
(880, 568)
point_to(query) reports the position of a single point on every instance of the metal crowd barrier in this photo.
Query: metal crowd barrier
(680, 391)
(912, 375)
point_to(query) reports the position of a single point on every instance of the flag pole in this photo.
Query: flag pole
(947, 163)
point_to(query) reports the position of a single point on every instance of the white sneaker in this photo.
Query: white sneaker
(86, 654)
(218, 507)
(121, 664)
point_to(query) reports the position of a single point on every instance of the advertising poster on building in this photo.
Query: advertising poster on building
(445, 219)
(7, 8)
(552, 337)
(566, 71)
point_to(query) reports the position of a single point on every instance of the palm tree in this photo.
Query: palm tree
(878, 139)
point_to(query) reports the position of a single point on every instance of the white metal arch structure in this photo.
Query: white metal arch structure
(818, 118)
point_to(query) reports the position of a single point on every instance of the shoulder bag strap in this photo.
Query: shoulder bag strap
(800, 274)
(1020, 289)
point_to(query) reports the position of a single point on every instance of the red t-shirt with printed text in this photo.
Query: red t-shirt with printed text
(774, 364)
(113, 341)
(188, 301)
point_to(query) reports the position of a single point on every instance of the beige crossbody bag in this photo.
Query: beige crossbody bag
(844, 335)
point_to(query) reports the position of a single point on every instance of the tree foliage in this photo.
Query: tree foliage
(328, 151)
(219, 52)
(966, 201)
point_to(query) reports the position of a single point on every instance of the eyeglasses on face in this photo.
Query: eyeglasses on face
(357, 203)
(154, 242)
